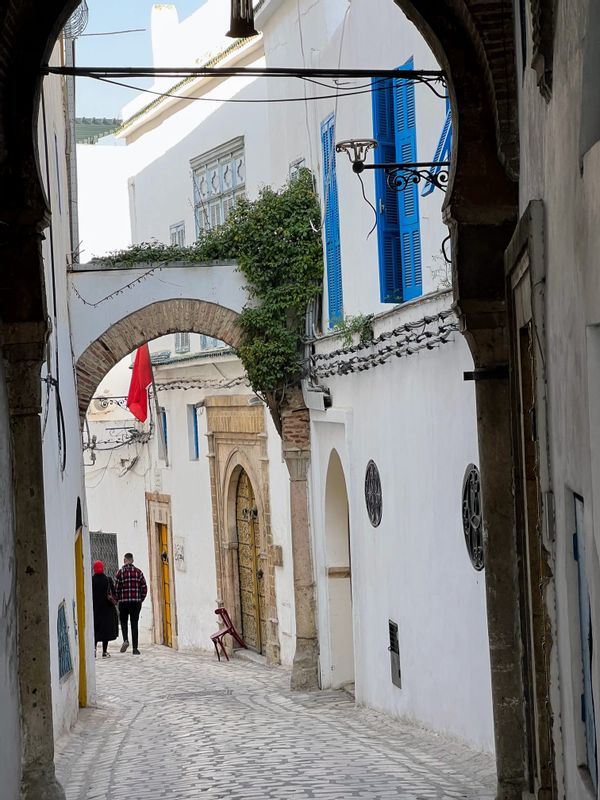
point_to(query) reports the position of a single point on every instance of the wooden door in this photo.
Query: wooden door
(534, 568)
(250, 567)
(80, 596)
(165, 581)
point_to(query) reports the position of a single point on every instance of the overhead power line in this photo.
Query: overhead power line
(422, 75)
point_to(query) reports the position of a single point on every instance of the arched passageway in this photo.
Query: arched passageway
(474, 43)
(339, 574)
(146, 323)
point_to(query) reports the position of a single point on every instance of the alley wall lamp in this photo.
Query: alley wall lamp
(242, 20)
(399, 176)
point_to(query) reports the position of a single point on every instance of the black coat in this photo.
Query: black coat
(106, 626)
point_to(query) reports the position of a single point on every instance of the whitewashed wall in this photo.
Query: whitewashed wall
(62, 488)
(362, 34)
(420, 542)
(279, 485)
(415, 417)
(103, 199)
(116, 499)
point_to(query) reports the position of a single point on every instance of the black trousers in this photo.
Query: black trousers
(130, 609)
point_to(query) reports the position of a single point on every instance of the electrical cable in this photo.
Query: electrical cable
(55, 382)
(336, 96)
(366, 199)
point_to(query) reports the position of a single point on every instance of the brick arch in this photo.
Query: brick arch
(150, 322)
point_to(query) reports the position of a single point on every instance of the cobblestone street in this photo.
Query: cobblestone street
(183, 726)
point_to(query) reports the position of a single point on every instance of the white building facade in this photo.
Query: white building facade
(407, 584)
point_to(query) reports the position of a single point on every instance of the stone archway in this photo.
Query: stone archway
(145, 324)
(474, 42)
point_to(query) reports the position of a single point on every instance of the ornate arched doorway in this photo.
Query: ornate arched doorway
(251, 569)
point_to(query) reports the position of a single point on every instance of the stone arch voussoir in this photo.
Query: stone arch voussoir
(150, 322)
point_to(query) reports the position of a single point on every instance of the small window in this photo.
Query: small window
(182, 343)
(163, 445)
(65, 662)
(193, 436)
(295, 167)
(177, 234)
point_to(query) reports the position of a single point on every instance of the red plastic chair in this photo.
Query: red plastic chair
(228, 629)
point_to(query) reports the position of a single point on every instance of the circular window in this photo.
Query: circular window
(373, 497)
(472, 517)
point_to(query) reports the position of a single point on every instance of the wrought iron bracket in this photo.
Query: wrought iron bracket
(401, 176)
(499, 373)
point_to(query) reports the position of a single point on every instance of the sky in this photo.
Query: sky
(96, 99)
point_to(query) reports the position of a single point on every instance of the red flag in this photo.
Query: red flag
(141, 378)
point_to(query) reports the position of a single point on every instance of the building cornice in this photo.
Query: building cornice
(236, 51)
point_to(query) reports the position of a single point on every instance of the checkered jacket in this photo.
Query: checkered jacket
(130, 584)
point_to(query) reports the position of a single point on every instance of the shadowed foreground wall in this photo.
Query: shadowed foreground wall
(10, 770)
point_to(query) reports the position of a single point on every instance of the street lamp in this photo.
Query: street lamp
(242, 20)
(399, 176)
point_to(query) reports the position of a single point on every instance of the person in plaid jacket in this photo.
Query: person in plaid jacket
(131, 590)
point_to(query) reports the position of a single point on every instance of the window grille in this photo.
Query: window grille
(182, 343)
(394, 649)
(373, 494)
(219, 182)
(177, 234)
(65, 662)
(103, 547)
(472, 516)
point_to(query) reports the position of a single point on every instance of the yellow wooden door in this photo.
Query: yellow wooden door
(165, 573)
(250, 567)
(80, 598)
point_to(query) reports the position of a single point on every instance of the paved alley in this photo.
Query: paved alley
(183, 726)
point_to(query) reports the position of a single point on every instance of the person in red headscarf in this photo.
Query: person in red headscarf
(106, 625)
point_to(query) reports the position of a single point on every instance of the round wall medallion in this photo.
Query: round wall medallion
(472, 516)
(373, 497)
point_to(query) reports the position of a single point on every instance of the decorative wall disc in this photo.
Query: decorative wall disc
(373, 495)
(472, 516)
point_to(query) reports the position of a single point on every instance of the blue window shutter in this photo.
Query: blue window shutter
(443, 149)
(405, 126)
(388, 223)
(333, 253)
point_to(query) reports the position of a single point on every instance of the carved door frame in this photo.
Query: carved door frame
(158, 510)
(534, 500)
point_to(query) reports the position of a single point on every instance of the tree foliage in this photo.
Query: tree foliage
(276, 241)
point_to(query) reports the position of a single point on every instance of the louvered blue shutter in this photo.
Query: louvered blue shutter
(332, 223)
(443, 149)
(408, 205)
(388, 223)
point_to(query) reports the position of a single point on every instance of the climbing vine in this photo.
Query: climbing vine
(276, 241)
(361, 324)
